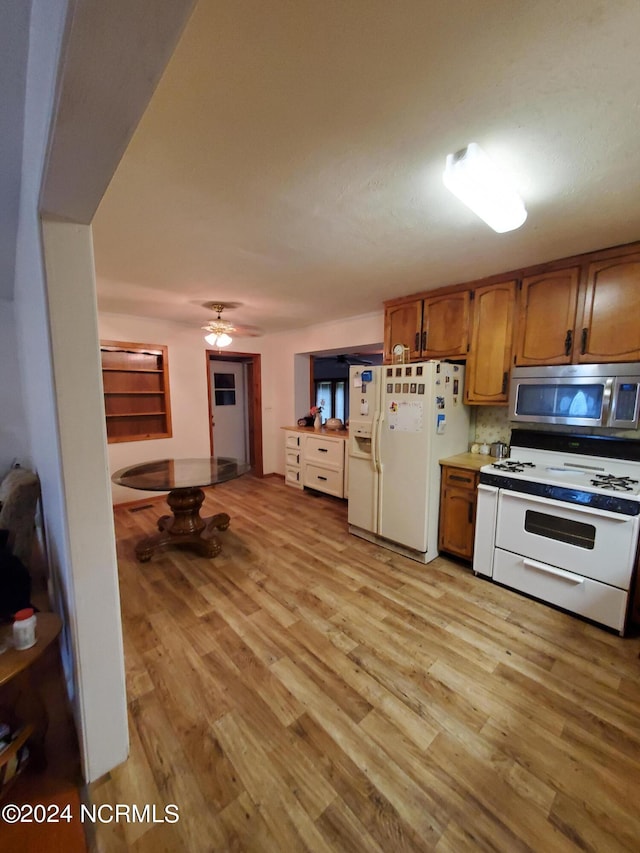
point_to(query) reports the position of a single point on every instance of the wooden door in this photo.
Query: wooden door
(489, 361)
(547, 317)
(445, 325)
(457, 512)
(403, 325)
(610, 329)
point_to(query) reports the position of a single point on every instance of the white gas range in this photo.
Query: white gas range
(559, 520)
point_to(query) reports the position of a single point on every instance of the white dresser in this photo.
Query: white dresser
(316, 459)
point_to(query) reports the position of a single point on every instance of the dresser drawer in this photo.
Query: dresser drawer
(460, 478)
(293, 477)
(292, 457)
(324, 451)
(324, 480)
(293, 440)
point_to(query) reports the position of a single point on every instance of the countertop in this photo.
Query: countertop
(470, 461)
(329, 433)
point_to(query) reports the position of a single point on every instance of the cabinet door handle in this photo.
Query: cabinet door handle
(583, 348)
(424, 340)
(459, 479)
(322, 450)
(568, 341)
(505, 379)
(470, 513)
(417, 346)
(321, 478)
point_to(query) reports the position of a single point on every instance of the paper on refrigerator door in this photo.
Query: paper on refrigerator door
(406, 416)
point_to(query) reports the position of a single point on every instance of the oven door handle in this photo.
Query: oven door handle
(621, 518)
(549, 570)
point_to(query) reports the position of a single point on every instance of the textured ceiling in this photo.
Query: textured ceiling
(291, 156)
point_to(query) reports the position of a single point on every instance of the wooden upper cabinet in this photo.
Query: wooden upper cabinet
(610, 328)
(489, 361)
(547, 317)
(403, 325)
(579, 309)
(445, 325)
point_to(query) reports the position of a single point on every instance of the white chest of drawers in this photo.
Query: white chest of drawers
(316, 461)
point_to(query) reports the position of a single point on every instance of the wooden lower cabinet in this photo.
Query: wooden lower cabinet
(458, 494)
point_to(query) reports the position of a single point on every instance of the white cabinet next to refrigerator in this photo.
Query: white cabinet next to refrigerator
(316, 460)
(323, 464)
(293, 459)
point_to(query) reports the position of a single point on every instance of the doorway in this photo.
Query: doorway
(235, 406)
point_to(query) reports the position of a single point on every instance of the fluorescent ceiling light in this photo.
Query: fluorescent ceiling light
(478, 183)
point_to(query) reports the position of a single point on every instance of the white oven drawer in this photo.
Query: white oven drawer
(590, 542)
(604, 604)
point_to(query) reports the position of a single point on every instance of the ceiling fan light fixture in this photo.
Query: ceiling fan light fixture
(219, 341)
(475, 179)
(219, 330)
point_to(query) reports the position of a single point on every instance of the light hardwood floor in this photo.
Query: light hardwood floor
(307, 690)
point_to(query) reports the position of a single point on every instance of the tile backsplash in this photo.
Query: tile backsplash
(492, 424)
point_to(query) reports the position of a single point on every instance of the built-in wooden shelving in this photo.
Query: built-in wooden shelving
(136, 391)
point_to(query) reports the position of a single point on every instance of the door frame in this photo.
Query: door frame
(254, 400)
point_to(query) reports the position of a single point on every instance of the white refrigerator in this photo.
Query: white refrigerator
(403, 418)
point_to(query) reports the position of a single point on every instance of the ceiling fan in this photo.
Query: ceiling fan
(219, 331)
(349, 360)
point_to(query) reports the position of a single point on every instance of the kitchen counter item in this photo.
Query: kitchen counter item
(334, 423)
(341, 433)
(499, 450)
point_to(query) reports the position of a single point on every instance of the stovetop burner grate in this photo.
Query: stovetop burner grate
(616, 484)
(513, 465)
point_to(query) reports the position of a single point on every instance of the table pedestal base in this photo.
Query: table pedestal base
(185, 527)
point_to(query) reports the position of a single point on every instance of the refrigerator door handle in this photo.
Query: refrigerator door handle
(375, 450)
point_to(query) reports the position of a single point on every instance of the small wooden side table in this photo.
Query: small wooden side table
(19, 690)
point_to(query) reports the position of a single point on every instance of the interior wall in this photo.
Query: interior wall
(56, 328)
(286, 375)
(14, 444)
(54, 409)
(89, 578)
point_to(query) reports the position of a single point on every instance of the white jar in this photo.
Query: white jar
(484, 448)
(24, 629)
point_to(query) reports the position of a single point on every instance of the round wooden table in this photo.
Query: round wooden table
(183, 479)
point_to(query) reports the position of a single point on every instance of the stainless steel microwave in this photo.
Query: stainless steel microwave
(597, 395)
